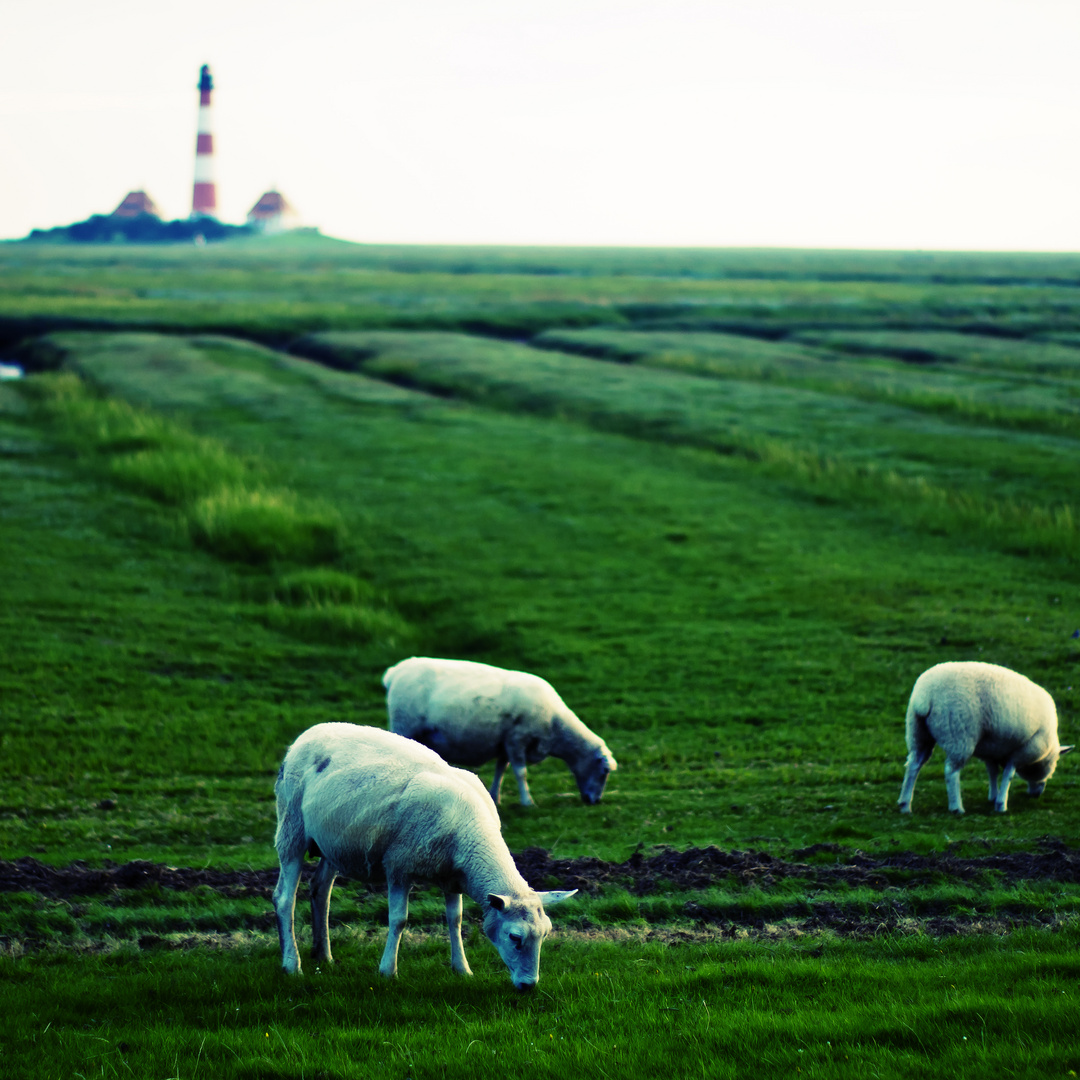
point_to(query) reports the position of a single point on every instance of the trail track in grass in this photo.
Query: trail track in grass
(665, 870)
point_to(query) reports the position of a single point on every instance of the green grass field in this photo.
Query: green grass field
(271, 290)
(729, 504)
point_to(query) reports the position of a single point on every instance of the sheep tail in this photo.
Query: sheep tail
(920, 706)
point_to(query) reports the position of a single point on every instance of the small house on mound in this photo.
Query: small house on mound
(135, 203)
(272, 214)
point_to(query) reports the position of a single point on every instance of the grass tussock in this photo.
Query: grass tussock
(223, 505)
(221, 499)
(260, 527)
(94, 424)
(321, 586)
(323, 604)
(180, 475)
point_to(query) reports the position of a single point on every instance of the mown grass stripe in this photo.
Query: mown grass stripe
(826, 444)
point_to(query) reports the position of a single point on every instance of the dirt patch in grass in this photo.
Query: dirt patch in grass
(664, 870)
(78, 879)
(667, 870)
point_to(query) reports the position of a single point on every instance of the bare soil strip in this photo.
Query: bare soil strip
(666, 870)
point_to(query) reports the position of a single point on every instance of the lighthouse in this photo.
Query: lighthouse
(204, 196)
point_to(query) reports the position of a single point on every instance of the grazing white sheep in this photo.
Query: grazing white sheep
(366, 801)
(971, 709)
(469, 713)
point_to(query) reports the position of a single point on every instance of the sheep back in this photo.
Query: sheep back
(469, 711)
(370, 800)
(975, 709)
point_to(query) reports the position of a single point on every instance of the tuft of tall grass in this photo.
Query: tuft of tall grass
(321, 586)
(180, 475)
(259, 527)
(323, 604)
(221, 501)
(93, 423)
(222, 505)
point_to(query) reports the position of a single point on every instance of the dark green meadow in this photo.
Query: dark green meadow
(610, 1008)
(730, 504)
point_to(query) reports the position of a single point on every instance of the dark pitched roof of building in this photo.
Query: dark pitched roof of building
(270, 204)
(135, 203)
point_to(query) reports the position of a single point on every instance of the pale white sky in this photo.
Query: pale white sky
(813, 123)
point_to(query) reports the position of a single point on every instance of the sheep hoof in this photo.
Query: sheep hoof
(958, 811)
(905, 808)
(1000, 807)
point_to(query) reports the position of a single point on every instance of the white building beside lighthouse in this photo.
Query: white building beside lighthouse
(273, 213)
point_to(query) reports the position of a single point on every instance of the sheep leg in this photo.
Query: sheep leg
(398, 894)
(1002, 803)
(992, 772)
(523, 784)
(915, 761)
(285, 909)
(496, 787)
(321, 885)
(453, 922)
(952, 786)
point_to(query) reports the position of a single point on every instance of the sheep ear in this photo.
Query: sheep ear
(1065, 749)
(498, 902)
(556, 897)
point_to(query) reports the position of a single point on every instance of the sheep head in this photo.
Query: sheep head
(517, 926)
(1038, 772)
(592, 772)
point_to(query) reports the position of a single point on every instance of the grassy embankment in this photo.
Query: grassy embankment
(743, 628)
(1002, 382)
(271, 291)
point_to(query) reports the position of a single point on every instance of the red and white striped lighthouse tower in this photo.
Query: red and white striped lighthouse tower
(204, 197)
